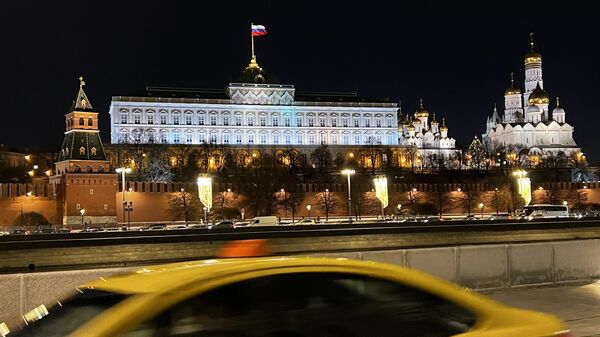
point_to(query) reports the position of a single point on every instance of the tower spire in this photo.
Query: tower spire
(557, 101)
(81, 101)
(421, 103)
(512, 79)
(532, 42)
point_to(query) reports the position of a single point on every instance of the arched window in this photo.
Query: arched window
(77, 168)
(80, 120)
(89, 169)
(93, 151)
(100, 169)
(90, 121)
(82, 150)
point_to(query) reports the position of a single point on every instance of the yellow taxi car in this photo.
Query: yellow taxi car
(282, 297)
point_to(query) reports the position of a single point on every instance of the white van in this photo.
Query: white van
(269, 220)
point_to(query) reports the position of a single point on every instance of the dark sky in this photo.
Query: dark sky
(456, 55)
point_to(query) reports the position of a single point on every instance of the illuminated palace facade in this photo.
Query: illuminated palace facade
(527, 124)
(253, 113)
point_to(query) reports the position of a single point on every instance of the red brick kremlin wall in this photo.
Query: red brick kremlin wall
(151, 200)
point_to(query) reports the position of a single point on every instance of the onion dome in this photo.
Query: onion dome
(538, 96)
(421, 111)
(532, 109)
(512, 90)
(411, 127)
(559, 109)
(443, 127)
(433, 121)
(532, 56)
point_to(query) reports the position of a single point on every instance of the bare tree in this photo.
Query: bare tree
(443, 200)
(466, 198)
(326, 202)
(184, 206)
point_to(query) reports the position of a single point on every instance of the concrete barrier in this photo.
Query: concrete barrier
(474, 266)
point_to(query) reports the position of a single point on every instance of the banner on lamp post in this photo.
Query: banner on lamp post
(205, 192)
(381, 190)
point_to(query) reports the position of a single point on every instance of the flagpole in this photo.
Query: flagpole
(252, 39)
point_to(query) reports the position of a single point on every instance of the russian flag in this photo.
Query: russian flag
(258, 30)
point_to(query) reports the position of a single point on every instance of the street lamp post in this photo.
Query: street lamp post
(349, 172)
(82, 212)
(480, 206)
(308, 207)
(496, 201)
(285, 202)
(123, 170)
(129, 209)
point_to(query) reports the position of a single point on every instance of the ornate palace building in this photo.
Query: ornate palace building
(527, 125)
(254, 113)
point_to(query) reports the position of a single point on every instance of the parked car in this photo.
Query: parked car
(282, 296)
(92, 230)
(63, 230)
(305, 222)
(175, 227)
(45, 231)
(2, 233)
(19, 232)
(268, 220)
(155, 227)
(114, 229)
(222, 224)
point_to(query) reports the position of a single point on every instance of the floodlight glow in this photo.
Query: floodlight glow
(205, 191)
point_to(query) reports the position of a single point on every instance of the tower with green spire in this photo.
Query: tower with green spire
(83, 181)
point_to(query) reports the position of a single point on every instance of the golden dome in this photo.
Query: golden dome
(532, 56)
(410, 127)
(538, 96)
(512, 90)
(421, 111)
(443, 127)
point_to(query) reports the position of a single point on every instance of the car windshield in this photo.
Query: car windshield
(65, 317)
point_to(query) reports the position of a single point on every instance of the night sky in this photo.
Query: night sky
(457, 56)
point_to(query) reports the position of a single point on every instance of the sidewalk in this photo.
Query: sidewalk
(578, 305)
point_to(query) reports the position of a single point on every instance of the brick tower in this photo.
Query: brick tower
(83, 182)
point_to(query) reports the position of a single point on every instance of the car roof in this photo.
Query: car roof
(169, 277)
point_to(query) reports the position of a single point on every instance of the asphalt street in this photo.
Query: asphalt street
(576, 304)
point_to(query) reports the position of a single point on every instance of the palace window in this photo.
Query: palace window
(137, 119)
(188, 138)
(250, 121)
(176, 137)
(367, 123)
(298, 121)
(263, 139)
(345, 139)
(93, 151)
(275, 139)
(150, 119)
(163, 137)
(200, 120)
(201, 138)
(80, 120)
(345, 122)
(250, 139)
(225, 138)
(378, 122)
(213, 138)
(226, 120)
(288, 139)
(390, 140)
(163, 119)
(311, 139)
(150, 137)
(124, 119)
(334, 122)
(137, 136)
(176, 119)
(238, 138)
(311, 121)
(263, 121)
(213, 120)
(82, 151)
(188, 120)
(389, 122)
(286, 121)
(321, 121)
(275, 121)
(355, 122)
(334, 139)
(238, 120)
(379, 140)
(299, 140)
(356, 139)
(90, 122)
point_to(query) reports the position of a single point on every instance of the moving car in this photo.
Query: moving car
(268, 220)
(221, 224)
(281, 296)
(305, 222)
(19, 232)
(155, 227)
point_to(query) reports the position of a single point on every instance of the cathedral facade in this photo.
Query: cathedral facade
(528, 126)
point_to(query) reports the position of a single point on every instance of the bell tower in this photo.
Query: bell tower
(83, 182)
